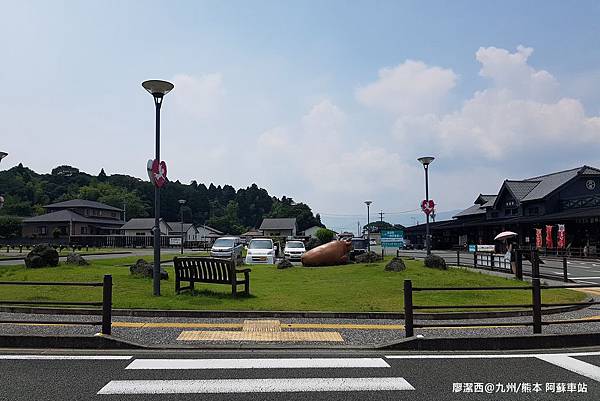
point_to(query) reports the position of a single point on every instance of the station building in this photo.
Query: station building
(569, 198)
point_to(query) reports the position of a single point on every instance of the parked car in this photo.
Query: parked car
(227, 247)
(261, 250)
(294, 250)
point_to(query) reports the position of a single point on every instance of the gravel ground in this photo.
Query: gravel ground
(371, 337)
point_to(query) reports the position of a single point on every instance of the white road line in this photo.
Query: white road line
(574, 365)
(65, 357)
(588, 278)
(583, 281)
(264, 363)
(255, 385)
(489, 356)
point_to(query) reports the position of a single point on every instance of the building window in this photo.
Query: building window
(43, 230)
(534, 211)
(84, 230)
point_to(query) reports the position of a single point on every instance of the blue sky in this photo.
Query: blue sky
(328, 102)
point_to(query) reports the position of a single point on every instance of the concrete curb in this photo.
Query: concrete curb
(76, 342)
(9, 258)
(288, 314)
(487, 343)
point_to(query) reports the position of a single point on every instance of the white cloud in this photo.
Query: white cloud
(409, 88)
(200, 96)
(510, 71)
(519, 115)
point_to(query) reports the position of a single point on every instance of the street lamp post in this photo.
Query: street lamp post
(182, 202)
(2, 156)
(368, 203)
(426, 161)
(158, 89)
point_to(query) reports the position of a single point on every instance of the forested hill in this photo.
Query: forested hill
(222, 207)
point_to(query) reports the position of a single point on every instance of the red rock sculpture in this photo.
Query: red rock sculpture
(332, 253)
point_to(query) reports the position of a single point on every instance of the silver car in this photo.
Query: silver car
(227, 247)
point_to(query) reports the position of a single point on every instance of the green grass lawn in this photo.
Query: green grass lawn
(351, 288)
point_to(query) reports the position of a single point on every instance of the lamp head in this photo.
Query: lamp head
(181, 201)
(3, 155)
(368, 202)
(426, 161)
(158, 88)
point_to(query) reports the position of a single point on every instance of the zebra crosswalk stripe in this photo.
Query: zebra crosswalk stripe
(256, 385)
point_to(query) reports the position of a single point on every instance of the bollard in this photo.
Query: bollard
(382, 253)
(458, 257)
(565, 271)
(408, 309)
(397, 253)
(475, 260)
(536, 296)
(107, 304)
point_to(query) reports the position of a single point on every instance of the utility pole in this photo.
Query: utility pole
(381, 216)
(358, 228)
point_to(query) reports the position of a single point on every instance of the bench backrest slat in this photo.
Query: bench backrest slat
(203, 269)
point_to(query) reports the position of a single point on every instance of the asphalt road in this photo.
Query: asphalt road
(580, 271)
(281, 375)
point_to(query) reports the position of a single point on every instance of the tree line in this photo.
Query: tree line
(221, 207)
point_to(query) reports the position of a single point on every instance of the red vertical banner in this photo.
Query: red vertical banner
(561, 236)
(549, 243)
(538, 238)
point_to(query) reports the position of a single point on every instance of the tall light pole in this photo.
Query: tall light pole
(2, 156)
(426, 161)
(181, 202)
(368, 203)
(158, 89)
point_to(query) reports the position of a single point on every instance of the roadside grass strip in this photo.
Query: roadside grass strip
(256, 385)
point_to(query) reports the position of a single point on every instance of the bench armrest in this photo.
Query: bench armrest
(243, 271)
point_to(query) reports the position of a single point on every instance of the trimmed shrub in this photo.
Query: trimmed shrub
(436, 262)
(368, 257)
(324, 235)
(312, 243)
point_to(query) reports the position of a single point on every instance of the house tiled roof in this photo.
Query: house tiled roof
(551, 182)
(82, 203)
(141, 224)
(176, 226)
(471, 211)
(278, 224)
(65, 216)
(520, 189)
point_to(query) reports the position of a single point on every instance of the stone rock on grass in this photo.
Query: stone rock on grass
(395, 265)
(368, 257)
(284, 264)
(41, 255)
(76, 259)
(436, 262)
(144, 269)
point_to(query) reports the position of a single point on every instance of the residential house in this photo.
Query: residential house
(280, 227)
(144, 227)
(74, 217)
(189, 230)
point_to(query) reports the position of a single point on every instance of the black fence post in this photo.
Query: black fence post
(458, 257)
(382, 253)
(519, 264)
(475, 260)
(535, 264)
(492, 257)
(408, 309)
(536, 295)
(107, 304)
(565, 271)
(397, 253)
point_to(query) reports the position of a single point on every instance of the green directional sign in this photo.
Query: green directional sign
(392, 238)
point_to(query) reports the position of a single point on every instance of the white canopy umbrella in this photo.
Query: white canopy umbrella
(505, 235)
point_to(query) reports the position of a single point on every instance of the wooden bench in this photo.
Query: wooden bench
(209, 270)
